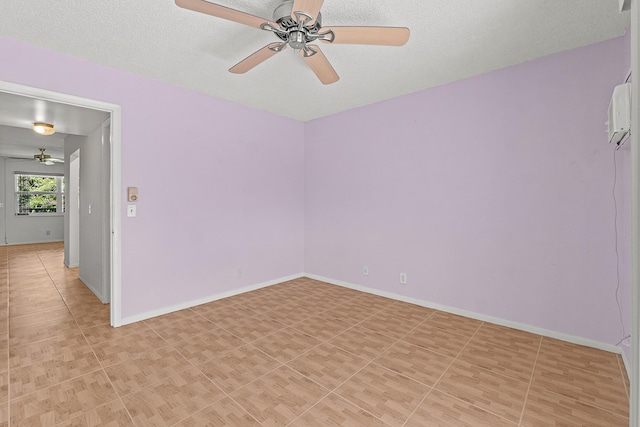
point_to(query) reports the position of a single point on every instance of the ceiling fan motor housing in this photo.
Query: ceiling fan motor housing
(296, 37)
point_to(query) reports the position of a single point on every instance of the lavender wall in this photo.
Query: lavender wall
(493, 194)
(215, 193)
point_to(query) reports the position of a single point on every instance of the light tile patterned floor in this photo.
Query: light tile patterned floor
(301, 353)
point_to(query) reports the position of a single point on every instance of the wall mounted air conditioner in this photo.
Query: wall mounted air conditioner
(619, 123)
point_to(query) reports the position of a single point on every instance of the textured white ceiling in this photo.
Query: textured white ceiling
(450, 40)
(21, 111)
(17, 114)
(24, 143)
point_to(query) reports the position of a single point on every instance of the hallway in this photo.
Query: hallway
(49, 310)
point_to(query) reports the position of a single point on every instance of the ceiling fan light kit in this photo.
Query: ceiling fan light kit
(297, 23)
(43, 128)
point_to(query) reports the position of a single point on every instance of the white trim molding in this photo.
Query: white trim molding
(207, 299)
(92, 288)
(466, 313)
(35, 242)
(448, 309)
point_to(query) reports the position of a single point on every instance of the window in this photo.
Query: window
(39, 194)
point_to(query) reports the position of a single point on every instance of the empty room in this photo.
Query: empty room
(314, 213)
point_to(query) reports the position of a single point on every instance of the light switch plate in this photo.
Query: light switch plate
(131, 210)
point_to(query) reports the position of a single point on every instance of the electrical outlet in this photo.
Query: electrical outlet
(403, 278)
(239, 272)
(48, 232)
(365, 271)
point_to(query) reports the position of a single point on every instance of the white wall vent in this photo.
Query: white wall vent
(619, 123)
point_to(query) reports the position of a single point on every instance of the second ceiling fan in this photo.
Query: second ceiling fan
(46, 159)
(297, 23)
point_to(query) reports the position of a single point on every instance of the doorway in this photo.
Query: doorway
(111, 223)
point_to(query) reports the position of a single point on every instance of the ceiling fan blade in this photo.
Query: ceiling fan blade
(386, 36)
(310, 7)
(222, 12)
(320, 65)
(257, 58)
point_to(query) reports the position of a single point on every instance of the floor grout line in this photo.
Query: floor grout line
(102, 369)
(368, 362)
(533, 371)
(623, 374)
(433, 387)
(323, 297)
(9, 388)
(330, 391)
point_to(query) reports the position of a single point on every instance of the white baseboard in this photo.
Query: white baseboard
(207, 299)
(31, 243)
(453, 310)
(92, 289)
(490, 319)
(627, 365)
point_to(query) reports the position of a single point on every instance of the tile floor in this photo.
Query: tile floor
(301, 353)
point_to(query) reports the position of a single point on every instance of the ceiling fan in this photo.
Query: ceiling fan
(45, 158)
(297, 23)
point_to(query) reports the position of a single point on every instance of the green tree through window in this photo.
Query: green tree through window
(39, 194)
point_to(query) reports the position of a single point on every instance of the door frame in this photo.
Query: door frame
(105, 176)
(114, 182)
(73, 211)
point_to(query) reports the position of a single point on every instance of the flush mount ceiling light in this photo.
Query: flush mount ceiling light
(43, 128)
